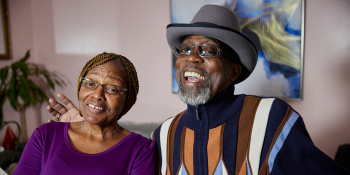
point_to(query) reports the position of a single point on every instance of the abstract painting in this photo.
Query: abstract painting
(276, 28)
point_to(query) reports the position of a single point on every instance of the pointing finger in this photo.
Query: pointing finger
(66, 101)
(57, 106)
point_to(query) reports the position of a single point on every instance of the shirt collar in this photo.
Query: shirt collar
(216, 111)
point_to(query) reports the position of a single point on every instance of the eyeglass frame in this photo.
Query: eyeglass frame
(103, 86)
(199, 53)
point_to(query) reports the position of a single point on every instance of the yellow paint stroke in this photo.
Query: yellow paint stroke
(278, 46)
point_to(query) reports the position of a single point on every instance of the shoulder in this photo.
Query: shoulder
(268, 103)
(275, 100)
(275, 110)
(139, 145)
(141, 141)
(50, 128)
(162, 128)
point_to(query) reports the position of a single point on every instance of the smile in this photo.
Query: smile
(193, 76)
(95, 107)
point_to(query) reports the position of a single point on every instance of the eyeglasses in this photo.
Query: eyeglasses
(204, 51)
(109, 89)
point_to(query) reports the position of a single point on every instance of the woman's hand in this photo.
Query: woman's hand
(69, 114)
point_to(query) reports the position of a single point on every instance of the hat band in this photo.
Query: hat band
(211, 25)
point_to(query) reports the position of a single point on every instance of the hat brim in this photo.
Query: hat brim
(238, 42)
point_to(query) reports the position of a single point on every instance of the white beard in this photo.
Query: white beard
(196, 95)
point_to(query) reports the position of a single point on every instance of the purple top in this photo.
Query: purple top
(49, 152)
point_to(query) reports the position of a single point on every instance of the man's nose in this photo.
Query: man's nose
(99, 94)
(194, 57)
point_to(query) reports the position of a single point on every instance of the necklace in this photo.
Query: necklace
(82, 126)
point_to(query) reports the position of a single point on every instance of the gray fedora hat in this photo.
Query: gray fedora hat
(222, 24)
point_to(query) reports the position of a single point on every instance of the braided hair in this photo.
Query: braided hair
(133, 82)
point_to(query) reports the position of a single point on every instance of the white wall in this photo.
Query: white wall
(64, 34)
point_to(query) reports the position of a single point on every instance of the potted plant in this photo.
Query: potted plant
(18, 86)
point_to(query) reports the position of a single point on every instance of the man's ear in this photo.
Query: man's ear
(235, 71)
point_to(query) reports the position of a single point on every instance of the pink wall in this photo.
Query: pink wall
(326, 103)
(63, 35)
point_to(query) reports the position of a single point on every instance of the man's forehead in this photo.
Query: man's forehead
(191, 37)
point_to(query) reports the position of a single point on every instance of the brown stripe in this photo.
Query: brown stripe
(188, 150)
(183, 136)
(213, 149)
(222, 146)
(245, 125)
(243, 169)
(170, 142)
(157, 154)
(265, 166)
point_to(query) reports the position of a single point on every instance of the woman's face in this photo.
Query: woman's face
(97, 106)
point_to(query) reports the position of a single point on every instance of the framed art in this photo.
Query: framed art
(276, 27)
(4, 32)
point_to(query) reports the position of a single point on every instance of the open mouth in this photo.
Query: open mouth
(193, 77)
(95, 107)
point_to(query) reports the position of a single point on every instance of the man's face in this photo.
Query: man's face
(200, 79)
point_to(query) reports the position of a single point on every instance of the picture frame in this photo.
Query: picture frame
(4, 32)
(277, 30)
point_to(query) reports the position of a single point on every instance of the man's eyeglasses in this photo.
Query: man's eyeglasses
(109, 89)
(204, 51)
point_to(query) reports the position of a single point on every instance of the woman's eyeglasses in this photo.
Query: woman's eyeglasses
(109, 89)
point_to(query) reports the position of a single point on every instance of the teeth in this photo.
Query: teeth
(194, 74)
(96, 107)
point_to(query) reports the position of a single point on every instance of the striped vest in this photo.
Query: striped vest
(250, 157)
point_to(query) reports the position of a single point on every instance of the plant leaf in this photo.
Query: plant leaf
(4, 72)
(42, 95)
(33, 98)
(26, 56)
(12, 91)
(24, 90)
(14, 66)
(35, 94)
(38, 93)
(24, 68)
(36, 70)
(49, 81)
(24, 96)
(2, 100)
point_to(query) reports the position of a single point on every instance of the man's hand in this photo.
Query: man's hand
(69, 114)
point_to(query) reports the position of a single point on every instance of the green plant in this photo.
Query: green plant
(17, 84)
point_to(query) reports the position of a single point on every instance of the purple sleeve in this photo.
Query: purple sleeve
(145, 160)
(30, 161)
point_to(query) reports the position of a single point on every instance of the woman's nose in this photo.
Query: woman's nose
(99, 94)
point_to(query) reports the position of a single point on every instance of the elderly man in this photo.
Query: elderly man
(223, 133)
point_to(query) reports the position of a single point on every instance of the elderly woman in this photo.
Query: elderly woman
(107, 89)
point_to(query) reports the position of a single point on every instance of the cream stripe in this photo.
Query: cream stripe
(224, 170)
(258, 133)
(180, 172)
(163, 142)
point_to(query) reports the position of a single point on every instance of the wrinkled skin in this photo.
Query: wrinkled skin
(219, 71)
(114, 104)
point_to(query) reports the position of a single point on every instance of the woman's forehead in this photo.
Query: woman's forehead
(113, 68)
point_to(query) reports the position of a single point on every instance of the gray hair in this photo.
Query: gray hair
(194, 96)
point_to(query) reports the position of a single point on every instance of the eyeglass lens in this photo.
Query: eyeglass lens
(203, 50)
(109, 89)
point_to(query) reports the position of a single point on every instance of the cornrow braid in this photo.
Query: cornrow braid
(133, 82)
